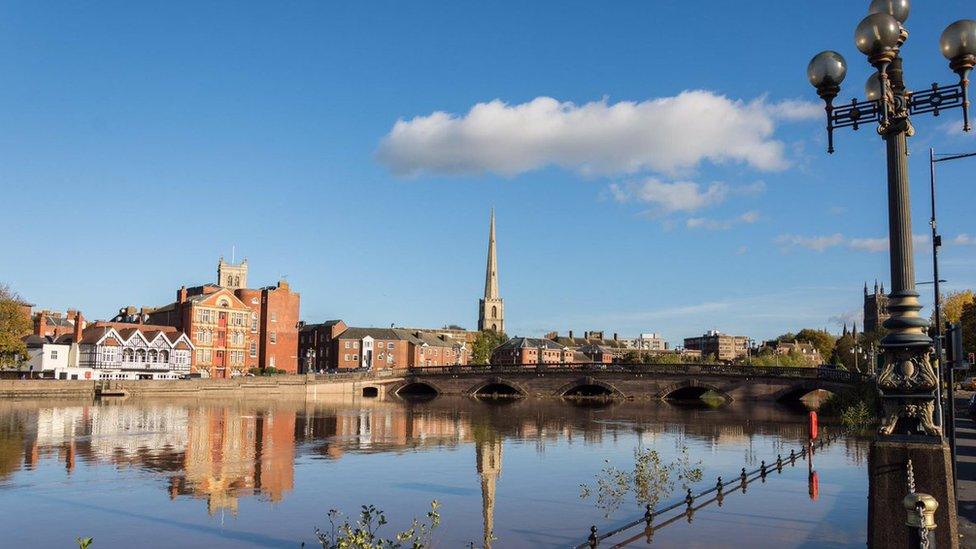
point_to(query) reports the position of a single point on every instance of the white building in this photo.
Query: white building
(49, 353)
(133, 353)
(647, 342)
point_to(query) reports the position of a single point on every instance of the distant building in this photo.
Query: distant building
(389, 348)
(723, 347)
(527, 351)
(55, 324)
(491, 308)
(800, 348)
(875, 308)
(318, 338)
(592, 347)
(647, 342)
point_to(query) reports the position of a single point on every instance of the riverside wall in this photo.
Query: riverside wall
(285, 385)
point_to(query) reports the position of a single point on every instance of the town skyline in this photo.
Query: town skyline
(287, 127)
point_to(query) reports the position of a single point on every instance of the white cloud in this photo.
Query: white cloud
(869, 244)
(877, 245)
(667, 135)
(821, 243)
(721, 224)
(680, 196)
(964, 239)
(816, 243)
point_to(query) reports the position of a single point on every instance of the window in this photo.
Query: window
(254, 349)
(355, 344)
(389, 345)
(254, 301)
(274, 337)
(272, 362)
(355, 357)
(345, 357)
(54, 354)
(254, 323)
(348, 344)
(274, 316)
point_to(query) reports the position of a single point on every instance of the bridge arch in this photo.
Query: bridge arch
(690, 389)
(798, 391)
(417, 389)
(588, 387)
(497, 386)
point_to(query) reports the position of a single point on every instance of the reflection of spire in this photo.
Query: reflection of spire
(489, 467)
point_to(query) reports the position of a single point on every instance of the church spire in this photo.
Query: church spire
(491, 271)
(491, 309)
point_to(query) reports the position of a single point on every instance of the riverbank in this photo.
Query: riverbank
(341, 385)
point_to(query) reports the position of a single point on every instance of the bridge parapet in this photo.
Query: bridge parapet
(692, 369)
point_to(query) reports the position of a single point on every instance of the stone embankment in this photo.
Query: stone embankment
(296, 385)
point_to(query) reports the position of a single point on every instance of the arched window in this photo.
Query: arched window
(127, 355)
(140, 355)
(494, 311)
(153, 356)
(164, 356)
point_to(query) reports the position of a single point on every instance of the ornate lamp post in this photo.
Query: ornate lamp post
(908, 379)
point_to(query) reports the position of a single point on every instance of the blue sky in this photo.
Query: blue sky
(142, 140)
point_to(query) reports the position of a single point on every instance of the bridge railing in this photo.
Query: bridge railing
(823, 372)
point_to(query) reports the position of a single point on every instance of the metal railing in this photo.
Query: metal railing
(739, 483)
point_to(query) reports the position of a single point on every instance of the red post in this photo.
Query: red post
(813, 425)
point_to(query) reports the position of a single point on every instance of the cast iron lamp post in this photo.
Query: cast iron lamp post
(908, 380)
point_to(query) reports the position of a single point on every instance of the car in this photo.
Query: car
(971, 407)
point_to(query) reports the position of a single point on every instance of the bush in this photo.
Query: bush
(857, 407)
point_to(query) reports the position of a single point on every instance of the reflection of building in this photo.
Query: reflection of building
(229, 455)
(489, 468)
(720, 346)
(491, 308)
(875, 308)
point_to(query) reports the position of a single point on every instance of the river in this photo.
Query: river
(264, 472)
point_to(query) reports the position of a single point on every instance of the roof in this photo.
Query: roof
(375, 333)
(326, 324)
(530, 343)
(582, 342)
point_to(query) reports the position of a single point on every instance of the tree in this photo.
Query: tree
(952, 305)
(484, 344)
(968, 321)
(843, 354)
(15, 323)
(821, 340)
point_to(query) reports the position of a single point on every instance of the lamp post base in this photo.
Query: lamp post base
(888, 485)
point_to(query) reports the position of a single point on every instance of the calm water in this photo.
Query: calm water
(263, 473)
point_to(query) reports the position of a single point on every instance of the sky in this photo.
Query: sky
(655, 166)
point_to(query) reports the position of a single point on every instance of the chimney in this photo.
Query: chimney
(181, 294)
(39, 323)
(79, 326)
(570, 334)
(615, 338)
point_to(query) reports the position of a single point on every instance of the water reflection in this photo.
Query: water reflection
(226, 451)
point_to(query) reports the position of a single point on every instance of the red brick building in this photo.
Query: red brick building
(56, 324)
(527, 350)
(262, 330)
(337, 347)
(315, 345)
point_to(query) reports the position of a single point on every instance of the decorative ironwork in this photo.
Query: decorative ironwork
(936, 99)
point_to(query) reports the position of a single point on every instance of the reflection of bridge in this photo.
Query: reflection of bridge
(662, 381)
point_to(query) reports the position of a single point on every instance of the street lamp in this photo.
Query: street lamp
(907, 380)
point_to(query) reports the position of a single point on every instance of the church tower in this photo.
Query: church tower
(230, 275)
(491, 309)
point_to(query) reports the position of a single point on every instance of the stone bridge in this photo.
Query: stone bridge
(679, 382)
